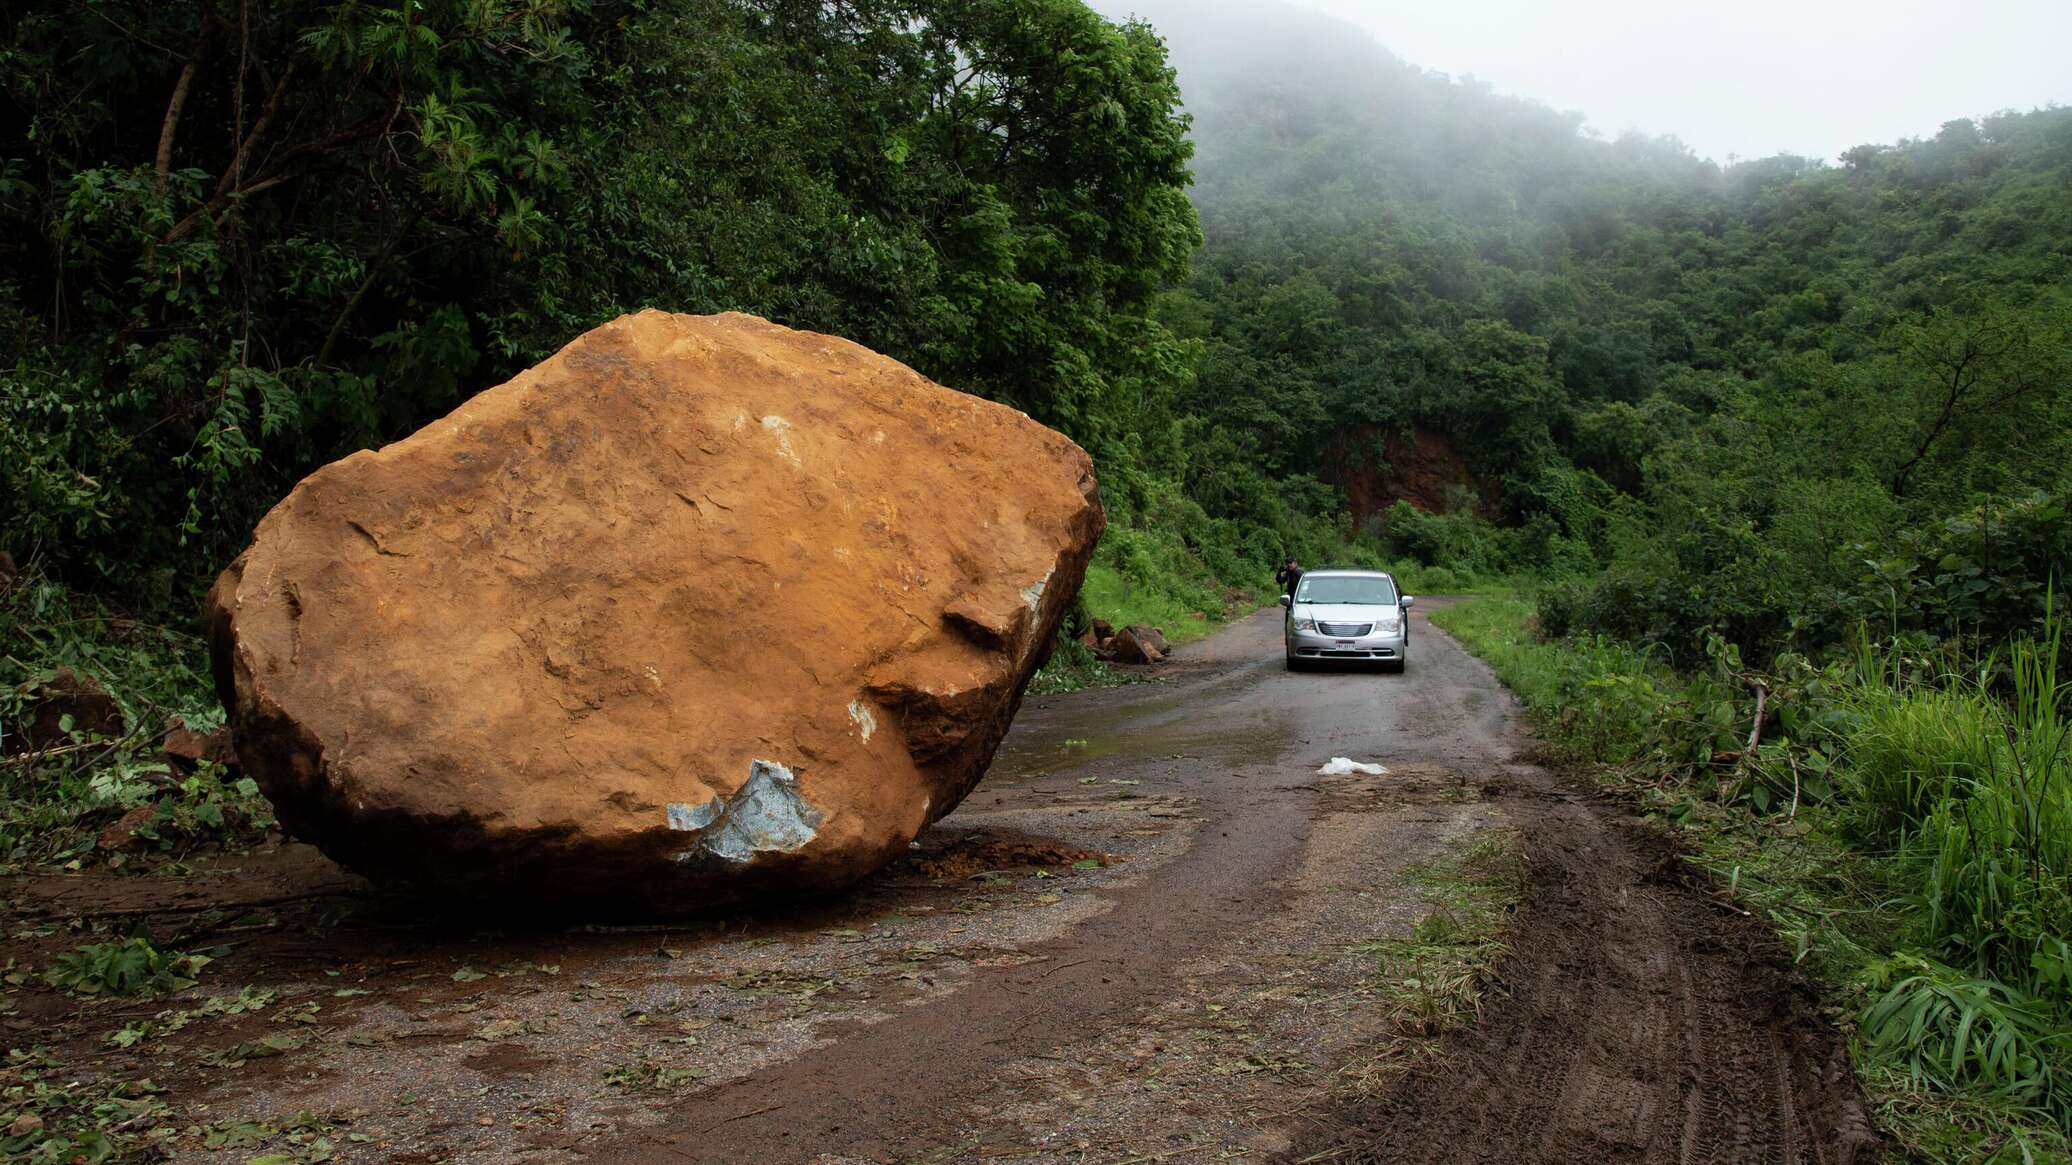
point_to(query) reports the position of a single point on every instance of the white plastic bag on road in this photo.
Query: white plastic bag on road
(1345, 766)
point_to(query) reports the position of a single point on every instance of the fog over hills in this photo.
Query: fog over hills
(1290, 104)
(1763, 78)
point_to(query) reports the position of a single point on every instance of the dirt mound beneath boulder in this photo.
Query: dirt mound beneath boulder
(699, 609)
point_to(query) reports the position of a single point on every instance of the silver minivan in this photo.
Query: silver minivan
(1345, 613)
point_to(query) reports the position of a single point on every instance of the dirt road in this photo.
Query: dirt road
(1141, 939)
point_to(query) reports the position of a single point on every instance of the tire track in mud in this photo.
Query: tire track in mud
(1636, 1020)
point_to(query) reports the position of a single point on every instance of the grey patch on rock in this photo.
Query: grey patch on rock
(1033, 593)
(767, 814)
(683, 815)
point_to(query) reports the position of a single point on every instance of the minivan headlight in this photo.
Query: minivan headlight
(1387, 625)
(1305, 624)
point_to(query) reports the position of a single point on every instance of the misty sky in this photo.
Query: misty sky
(1746, 77)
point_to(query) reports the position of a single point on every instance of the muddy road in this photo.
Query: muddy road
(1148, 936)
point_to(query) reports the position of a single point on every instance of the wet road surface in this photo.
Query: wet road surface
(1148, 935)
(1644, 1023)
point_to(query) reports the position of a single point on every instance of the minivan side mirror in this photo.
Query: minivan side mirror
(1409, 599)
(1286, 601)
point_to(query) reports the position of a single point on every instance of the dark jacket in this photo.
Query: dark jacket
(1288, 576)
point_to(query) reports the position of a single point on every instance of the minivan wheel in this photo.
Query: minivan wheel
(1294, 664)
(1396, 666)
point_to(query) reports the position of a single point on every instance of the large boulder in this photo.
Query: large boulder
(698, 610)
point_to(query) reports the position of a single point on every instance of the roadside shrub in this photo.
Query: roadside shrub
(1814, 567)
(1559, 606)
(1618, 603)
(1459, 541)
(1983, 574)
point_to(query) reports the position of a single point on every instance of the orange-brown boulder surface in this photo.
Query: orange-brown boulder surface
(698, 610)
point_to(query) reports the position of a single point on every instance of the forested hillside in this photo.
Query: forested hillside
(1774, 399)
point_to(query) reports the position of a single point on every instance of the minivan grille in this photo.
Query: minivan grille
(1345, 630)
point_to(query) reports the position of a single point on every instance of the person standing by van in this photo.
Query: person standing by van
(1288, 575)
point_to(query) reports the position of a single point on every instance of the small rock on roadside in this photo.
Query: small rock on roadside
(123, 834)
(1130, 646)
(1151, 637)
(185, 748)
(66, 693)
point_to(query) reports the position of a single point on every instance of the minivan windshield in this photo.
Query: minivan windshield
(1348, 589)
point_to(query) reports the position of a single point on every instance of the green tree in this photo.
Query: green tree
(338, 219)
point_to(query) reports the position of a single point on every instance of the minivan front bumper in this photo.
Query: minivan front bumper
(1315, 645)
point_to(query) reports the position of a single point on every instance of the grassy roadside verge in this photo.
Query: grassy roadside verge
(1905, 830)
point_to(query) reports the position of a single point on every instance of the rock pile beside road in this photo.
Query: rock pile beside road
(1135, 643)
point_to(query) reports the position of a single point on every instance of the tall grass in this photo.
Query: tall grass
(1941, 1028)
(1969, 780)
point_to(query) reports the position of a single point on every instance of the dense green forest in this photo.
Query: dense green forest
(1783, 445)
(240, 243)
(1773, 399)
